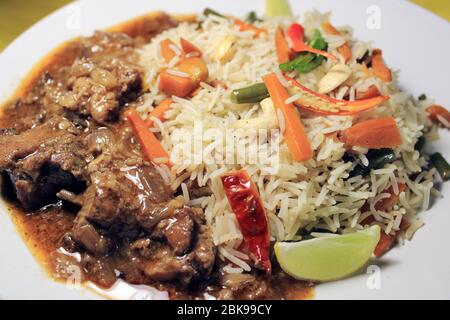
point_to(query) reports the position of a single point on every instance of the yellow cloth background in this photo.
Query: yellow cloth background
(18, 15)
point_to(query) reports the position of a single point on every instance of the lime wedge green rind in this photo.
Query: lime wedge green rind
(327, 258)
(278, 8)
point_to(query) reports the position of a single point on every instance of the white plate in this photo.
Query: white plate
(412, 39)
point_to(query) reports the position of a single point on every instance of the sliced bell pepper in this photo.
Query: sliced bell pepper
(246, 204)
(297, 35)
(325, 105)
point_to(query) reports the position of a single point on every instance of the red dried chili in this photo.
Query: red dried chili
(249, 210)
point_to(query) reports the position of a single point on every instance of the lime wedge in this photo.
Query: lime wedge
(327, 258)
(275, 8)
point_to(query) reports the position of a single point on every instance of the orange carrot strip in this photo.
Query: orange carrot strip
(151, 147)
(281, 46)
(373, 134)
(388, 203)
(436, 110)
(166, 50)
(295, 135)
(386, 241)
(371, 92)
(379, 69)
(384, 244)
(159, 111)
(189, 47)
(175, 85)
(248, 27)
(344, 49)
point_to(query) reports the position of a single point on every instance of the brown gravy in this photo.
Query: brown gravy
(41, 229)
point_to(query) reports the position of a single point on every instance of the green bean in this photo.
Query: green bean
(209, 11)
(377, 160)
(252, 94)
(420, 143)
(441, 165)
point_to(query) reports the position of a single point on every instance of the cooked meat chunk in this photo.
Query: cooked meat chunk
(118, 191)
(66, 142)
(204, 250)
(243, 286)
(165, 266)
(104, 78)
(98, 270)
(184, 231)
(85, 234)
(179, 231)
(42, 161)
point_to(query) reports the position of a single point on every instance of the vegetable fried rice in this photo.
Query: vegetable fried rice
(323, 194)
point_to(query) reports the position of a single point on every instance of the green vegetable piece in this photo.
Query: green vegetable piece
(318, 42)
(300, 62)
(277, 8)
(252, 94)
(377, 160)
(252, 17)
(441, 165)
(306, 61)
(420, 143)
(209, 11)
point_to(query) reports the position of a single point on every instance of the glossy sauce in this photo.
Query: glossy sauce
(42, 229)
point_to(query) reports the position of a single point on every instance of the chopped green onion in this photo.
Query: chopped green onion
(377, 160)
(420, 143)
(441, 165)
(252, 94)
(276, 8)
(317, 41)
(209, 11)
(303, 63)
(306, 61)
